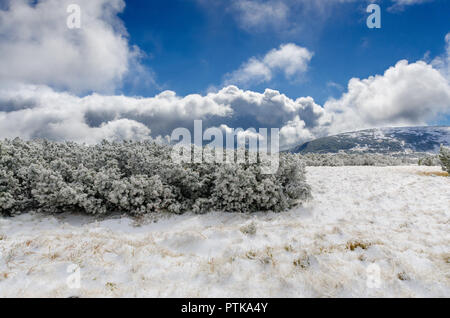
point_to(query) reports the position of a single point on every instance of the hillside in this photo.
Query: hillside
(381, 140)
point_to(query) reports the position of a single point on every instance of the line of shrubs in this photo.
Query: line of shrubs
(137, 178)
(345, 159)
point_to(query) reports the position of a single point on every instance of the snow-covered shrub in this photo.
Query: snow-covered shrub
(345, 159)
(244, 188)
(137, 178)
(444, 157)
(432, 160)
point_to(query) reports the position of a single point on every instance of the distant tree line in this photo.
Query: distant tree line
(363, 159)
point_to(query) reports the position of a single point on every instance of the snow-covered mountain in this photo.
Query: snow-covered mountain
(381, 140)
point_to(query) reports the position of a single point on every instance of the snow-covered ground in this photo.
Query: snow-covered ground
(362, 221)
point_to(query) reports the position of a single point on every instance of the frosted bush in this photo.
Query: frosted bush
(430, 161)
(345, 159)
(137, 178)
(444, 157)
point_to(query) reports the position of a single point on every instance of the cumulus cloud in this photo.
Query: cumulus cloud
(37, 47)
(290, 59)
(248, 136)
(406, 94)
(31, 111)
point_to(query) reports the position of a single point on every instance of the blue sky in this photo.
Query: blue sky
(129, 69)
(192, 46)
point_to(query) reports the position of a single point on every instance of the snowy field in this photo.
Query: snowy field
(361, 220)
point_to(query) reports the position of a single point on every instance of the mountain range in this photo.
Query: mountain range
(381, 140)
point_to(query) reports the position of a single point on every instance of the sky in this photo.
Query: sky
(134, 69)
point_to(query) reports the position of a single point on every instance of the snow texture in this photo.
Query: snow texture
(393, 218)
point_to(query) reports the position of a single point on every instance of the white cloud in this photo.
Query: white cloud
(287, 16)
(256, 14)
(406, 94)
(37, 47)
(409, 2)
(269, 109)
(442, 63)
(399, 5)
(293, 132)
(252, 72)
(290, 59)
(242, 136)
(291, 17)
(335, 85)
(32, 111)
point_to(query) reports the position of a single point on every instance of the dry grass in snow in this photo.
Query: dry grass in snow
(394, 217)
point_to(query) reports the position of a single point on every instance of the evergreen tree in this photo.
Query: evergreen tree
(444, 156)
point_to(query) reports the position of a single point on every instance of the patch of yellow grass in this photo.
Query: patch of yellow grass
(433, 173)
(302, 262)
(353, 245)
(265, 257)
(251, 255)
(111, 286)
